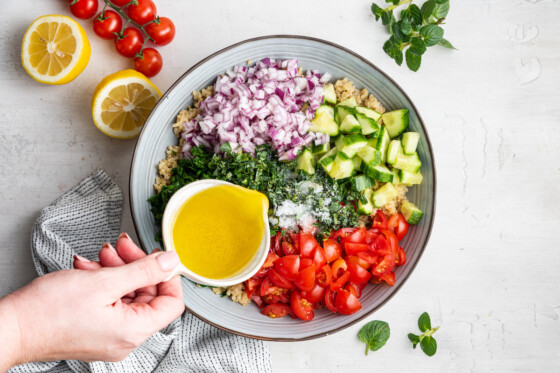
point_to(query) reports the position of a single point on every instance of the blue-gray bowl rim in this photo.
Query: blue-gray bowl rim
(280, 36)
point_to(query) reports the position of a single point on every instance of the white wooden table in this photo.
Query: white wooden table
(490, 275)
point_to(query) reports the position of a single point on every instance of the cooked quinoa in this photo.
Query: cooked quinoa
(344, 89)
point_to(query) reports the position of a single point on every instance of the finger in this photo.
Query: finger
(172, 288)
(156, 314)
(130, 252)
(108, 257)
(150, 270)
(85, 264)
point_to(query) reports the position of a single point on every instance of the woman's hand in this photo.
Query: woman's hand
(99, 311)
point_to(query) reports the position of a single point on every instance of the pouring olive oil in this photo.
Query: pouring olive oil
(219, 230)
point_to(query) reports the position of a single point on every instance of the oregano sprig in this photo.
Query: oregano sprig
(426, 340)
(417, 29)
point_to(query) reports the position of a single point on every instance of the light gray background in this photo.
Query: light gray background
(490, 274)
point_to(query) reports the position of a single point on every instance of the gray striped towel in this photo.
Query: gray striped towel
(79, 222)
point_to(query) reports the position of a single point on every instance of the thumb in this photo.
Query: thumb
(149, 270)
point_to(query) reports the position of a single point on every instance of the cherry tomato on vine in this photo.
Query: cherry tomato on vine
(83, 9)
(120, 2)
(149, 62)
(105, 26)
(143, 12)
(130, 43)
(162, 32)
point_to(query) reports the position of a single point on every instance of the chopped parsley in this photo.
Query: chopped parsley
(263, 172)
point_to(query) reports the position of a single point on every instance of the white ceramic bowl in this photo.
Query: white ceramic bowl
(174, 205)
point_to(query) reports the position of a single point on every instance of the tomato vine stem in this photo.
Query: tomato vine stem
(128, 20)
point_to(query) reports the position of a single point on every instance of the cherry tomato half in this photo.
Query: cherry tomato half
(319, 258)
(379, 220)
(275, 311)
(83, 9)
(339, 283)
(355, 248)
(305, 280)
(106, 24)
(347, 303)
(359, 236)
(301, 307)
(143, 12)
(329, 300)
(360, 261)
(130, 43)
(163, 32)
(288, 248)
(288, 266)
(358, 274)
(332, 249)
(307, 243)
(279, 280)
(338, 267)
(315, 295)
(267, 288)
(388, 278)
(400, 259)
(384, 266)
(324, 276)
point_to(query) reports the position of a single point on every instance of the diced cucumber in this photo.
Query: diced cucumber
(411, 213)
(396, 176)
(340, 113)
(393, 150)
(328, 92)
(410, 142)
(350, 125)
(352, 144)
(383, 143)
(379, 173)
(369, 126)
(409, 178)
(325, 109)
(327, 162)
(339, 141)
(384, 195)
(342, 167)
(320, 149)
(366, 209)
(362, 182)
(357, 163)
(306, 162)
(370, 155)
(325, 124)
(410, 163)
(373, 141)
(349, 102)
(369, 113)
(396, 122)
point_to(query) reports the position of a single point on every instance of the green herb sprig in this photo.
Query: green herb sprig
(374, 334)
(417, 29)
(426, 340)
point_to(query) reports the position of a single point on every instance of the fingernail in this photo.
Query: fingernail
(124, 235)
(156, 250)
(107, 245)
(168, 260)
(81, 258)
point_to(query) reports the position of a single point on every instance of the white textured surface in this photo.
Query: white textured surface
(490, 274)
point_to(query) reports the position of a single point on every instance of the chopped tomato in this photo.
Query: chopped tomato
(379, 220)
(358, 274)
(277, 298)
(332, 250)
(324, 276)
(400, 259)
(278, 310)
(354, 248)
(319, 258)
(275, 243)
(288, 266)
(380, 244)
(336, 285)
(305, 280)
(342, 233)
(329, 299)
(288, 249)
(270, 259)
(385, 265)
(366, 259)
(268, 288)
(304, 263)
(258, 300)
(251, 285)
(338, 267)
(347, 303)
(349, 287)
(392, 240)
(277, 279)
(301, 307)
(262, 272)
(398, 224)
(357, 288)
(315, 295)
(388, 278)
(307, 243)
(371, 234)
(359, 236)
(295, 241)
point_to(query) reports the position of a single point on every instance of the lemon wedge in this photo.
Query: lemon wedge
(122, 102)
(55, 49)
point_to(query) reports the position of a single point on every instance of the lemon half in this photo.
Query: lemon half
(122, 102)
(55, 49)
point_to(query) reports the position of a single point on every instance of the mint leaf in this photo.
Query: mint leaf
(374, 334)
(377, 11)
(413, 61)
(427, 10)
(429, 345)
(393, 50)
(415, 339)
(417, 46)
(441, 9)
(416, 14)
(432, 34)
(406, 27)
(446, 43)
(424, 322)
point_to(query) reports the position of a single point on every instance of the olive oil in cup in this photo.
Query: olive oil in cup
(219, 230)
